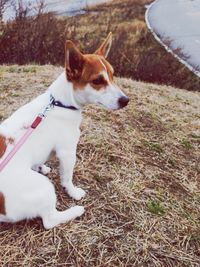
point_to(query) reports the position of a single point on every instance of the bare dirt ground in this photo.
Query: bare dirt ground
(141, 169)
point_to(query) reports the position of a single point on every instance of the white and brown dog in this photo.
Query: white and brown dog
(25, 192)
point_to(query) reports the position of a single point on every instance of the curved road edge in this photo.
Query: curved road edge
(167, 48)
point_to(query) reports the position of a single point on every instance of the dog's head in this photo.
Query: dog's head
(92, 76)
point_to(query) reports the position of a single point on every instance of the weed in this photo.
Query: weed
(15, 95)
(186, 143)
(31, 69)
(172, 161)
(13, 69)
(26, 69)
(195, 136)
(154, 146)
(155, 207)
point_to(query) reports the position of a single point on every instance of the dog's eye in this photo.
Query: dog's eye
(99, 80)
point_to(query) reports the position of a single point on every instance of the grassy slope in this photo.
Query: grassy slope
(140, 167)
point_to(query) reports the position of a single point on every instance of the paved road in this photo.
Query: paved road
(177, 24)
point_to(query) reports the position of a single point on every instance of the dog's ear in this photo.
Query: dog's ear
(73, 61)
(104, 49)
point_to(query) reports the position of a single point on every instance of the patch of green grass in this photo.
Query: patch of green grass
(26, 69)
(15, 95)
(13, 69)
(190, 216)
(2, 69)
(46, 83)
(135, 186)
(154, 146)
(195, 136)
(186, 143)
(32, 69)
(172, 161)
(155, 207)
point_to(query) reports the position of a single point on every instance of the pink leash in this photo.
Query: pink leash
(20, 142)
(23, 139)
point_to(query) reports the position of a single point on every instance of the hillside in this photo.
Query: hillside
(140, 167)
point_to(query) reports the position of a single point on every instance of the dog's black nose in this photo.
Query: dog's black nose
(123, 101)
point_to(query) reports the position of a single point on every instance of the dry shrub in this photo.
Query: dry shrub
(30, 39)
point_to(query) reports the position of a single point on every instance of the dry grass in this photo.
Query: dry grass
(140, 167)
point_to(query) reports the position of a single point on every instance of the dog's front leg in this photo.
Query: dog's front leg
(67, 163)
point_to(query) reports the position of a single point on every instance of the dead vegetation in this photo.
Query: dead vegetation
(140, 167)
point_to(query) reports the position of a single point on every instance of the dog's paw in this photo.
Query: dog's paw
(76, 193)
(41, 169)
(45, 170)
(78, 211)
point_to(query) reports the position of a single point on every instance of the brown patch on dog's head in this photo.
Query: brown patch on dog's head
(93, 68)
(3, 145)
(88, 69)
(2, 204)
